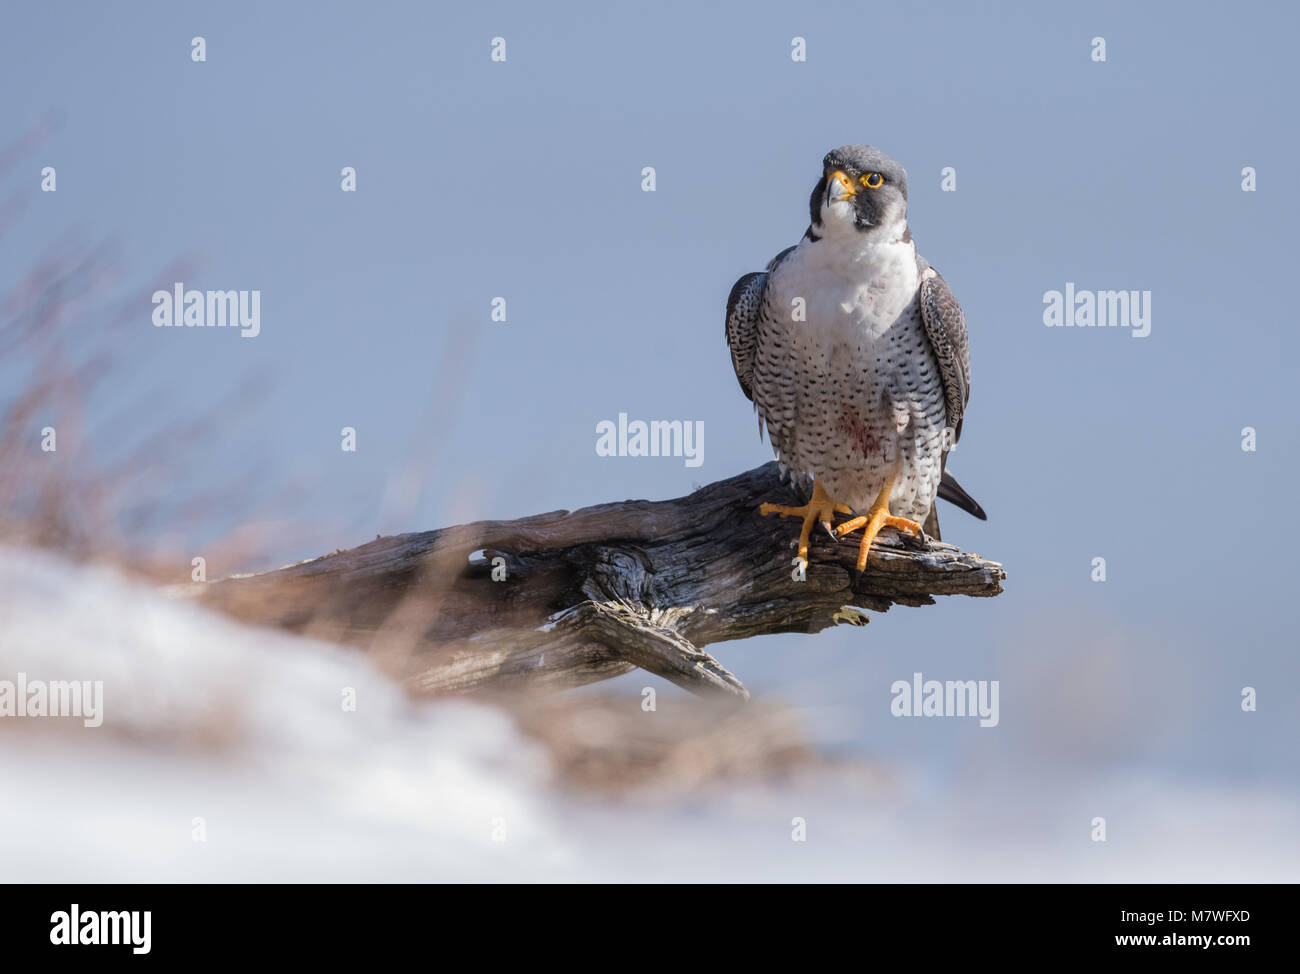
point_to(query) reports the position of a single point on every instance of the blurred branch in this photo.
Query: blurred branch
(595, 593)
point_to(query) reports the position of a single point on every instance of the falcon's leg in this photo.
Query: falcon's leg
(877, 517)
(819, 509)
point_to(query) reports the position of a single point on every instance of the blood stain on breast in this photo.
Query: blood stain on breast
(857, 433)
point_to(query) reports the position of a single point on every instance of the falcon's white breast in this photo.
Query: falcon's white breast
(852, 393)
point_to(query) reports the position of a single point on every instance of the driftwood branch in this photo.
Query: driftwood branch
(585, 596)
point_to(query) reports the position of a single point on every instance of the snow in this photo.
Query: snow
(245, 729)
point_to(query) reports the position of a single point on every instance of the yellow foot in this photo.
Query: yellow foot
(820, 509)
(877, 517)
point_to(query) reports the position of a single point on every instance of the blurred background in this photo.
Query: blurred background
(522, 179)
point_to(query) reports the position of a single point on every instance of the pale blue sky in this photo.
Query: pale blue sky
(522, 179)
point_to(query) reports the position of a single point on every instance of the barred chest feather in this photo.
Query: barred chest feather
(852, 393)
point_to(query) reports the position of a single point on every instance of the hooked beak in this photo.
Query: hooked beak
(839, 187)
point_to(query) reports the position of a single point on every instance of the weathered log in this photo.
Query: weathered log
(563, 599)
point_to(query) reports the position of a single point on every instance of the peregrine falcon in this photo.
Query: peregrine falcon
(854, 352)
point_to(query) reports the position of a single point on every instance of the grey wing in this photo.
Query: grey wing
(945, 326)
(743, 307)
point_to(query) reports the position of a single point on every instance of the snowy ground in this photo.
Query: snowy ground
(245, 730)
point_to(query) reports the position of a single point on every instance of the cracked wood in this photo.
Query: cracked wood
(594, 593)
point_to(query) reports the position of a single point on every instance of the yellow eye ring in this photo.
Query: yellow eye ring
(872, 180)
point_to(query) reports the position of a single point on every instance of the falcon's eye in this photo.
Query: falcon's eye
(872, 180)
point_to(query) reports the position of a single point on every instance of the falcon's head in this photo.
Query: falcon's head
(861, 189)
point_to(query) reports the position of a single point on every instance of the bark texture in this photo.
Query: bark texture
(563, 599)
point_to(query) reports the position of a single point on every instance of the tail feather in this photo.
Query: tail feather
(931, 524)
(954, 493)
